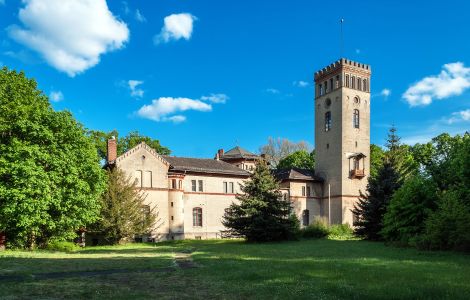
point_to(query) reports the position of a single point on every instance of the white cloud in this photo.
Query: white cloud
(385, 92)
(215, 98)
(139, 16)
(300, 83)
(70, 35)
(133, 87)
(176, 26)
(273, 91)
(459, 116)
(164, 108)
(453, 80)
(56, 96)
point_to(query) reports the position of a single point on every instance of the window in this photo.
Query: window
(331, 83)
(231, 188)
(326, 86)
(305, 217)
(356, 163)
(353, 82)
(193, 185)
(303, 191)
(364, 85)
(337, 81)
(328, 121)
(356, 118)
(347, 80)
(200, 183)
(320, 89)
(359, 83)
(308, 191)
(173, 184)
(197, 216)
(225, 187)
(180, 185)
(171, 204)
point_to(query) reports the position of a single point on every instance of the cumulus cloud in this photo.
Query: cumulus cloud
(215, 98)
(134, 88)
(164, 108)
(70, 35)
(300, 83)
(453, 80)
(459, 116)
(385, 92)
(56, 96)
(176, 26)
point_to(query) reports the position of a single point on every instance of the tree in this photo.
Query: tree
(263, 214)
(376, 159)
(409, 207)
(125, 143)
(277, 149)
(50, 177)
(124, 213)
(299, 159)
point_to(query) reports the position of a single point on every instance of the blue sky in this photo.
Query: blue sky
(201, 75)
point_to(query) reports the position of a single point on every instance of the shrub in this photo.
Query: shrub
(318, 229)
(341, 232)
(62, 246)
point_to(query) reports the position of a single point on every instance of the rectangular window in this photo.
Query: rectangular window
(347, 80)
(326, 87)
(201, 189)
(331, 83)
(308, 191)
(225, 187)
(303, 191)
(320, 90)
(327, 121)
(197, 216)
(337, 81)
(173, 184)
(193, 185)
(353, 82)
(231, 188)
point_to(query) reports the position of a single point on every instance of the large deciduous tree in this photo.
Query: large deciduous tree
(299, 159)
(277, 149)
(50, 177)
(262, 214)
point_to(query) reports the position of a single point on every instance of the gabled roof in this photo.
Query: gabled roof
(296, 174)
(201, 165)
(141, 145)
(238, 153)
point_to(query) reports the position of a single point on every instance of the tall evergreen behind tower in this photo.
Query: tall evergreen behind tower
(342, 135)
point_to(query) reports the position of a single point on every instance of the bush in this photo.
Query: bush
(341, 232)
(318, 229)
(62, 246)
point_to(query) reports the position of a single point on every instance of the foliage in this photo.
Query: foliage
(377, 156)
(411, 204)
(318, 229)
(50, 177)
(299, 159)
(62, 246)
(277, 149)
(125, 143)
(340, 232)
(262, 214)
(123, 210)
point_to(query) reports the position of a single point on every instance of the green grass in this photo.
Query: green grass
(231, 269)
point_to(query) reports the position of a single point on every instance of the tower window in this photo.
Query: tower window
(331, 83)
(353, 82)
(347, 80)
(197, 216)
(359, 83)
(337, 81)
(320, 89)
(328, 121)
(364, 85)
(326, 86)
(356, 118)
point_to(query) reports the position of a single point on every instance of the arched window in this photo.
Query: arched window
(356, 118)
(326, 86)
(328, 121)
(364, 85)
(197, 216)
(353, 82)
(320, 89)
(305, 217)
(359, 83)
(347, 80)
(331, 84)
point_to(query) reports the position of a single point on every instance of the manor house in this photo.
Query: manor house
(191, 194)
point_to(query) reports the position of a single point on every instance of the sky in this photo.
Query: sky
(200, 75)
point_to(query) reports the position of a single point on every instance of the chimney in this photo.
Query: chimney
(112, 150)
(219, 154)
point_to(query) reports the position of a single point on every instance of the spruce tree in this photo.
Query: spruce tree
(262, 214)
(124, 213)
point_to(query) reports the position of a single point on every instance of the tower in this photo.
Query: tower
(342, 136)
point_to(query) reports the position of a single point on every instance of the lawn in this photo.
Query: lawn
(232, 269)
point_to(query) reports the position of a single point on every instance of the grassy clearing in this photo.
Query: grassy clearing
(326, 269)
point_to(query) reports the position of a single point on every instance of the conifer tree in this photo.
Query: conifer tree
(262, 214)
(123, 211)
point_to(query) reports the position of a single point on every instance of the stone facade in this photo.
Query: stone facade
(191, 194)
